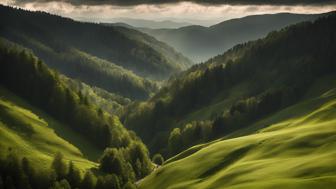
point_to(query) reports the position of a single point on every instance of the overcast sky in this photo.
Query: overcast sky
(194, 11)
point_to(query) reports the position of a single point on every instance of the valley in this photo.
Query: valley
(247, 103)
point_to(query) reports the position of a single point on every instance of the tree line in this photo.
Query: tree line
(18, 172)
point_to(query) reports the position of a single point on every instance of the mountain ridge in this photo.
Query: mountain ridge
(72, 49)
(201, 43)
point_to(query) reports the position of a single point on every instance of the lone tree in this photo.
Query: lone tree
(73, 175)
(59, 166)
(88, 181)
(158, 159)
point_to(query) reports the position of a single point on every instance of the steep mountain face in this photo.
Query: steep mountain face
(237, 88)
(109, 57)
(201, 43)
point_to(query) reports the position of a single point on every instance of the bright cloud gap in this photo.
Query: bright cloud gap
(183, 12)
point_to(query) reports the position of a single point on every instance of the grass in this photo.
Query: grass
(27, 132)
(293, 148)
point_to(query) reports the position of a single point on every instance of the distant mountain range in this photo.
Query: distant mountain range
(200, 43)
(152, 24)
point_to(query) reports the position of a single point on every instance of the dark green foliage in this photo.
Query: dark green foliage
(74, 176)
(129, 164)
(18, 173)
(30, 172)
(106, 59)
(59, 165)
(138, 157)
(244, 112)
(158, 159)
(111, 162)
(129, 185)
(63, 184)
(175, 141)
(110, 181)
(275, 71)
(88, 181)
(191, 134)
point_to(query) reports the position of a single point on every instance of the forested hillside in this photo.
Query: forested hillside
(116, 59)
(102, 106)
(237, 88)
(292, 148)
(201, 43)
(124, 160)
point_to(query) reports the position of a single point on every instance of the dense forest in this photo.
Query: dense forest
(114, 58)
(27, 76)
(272, 73)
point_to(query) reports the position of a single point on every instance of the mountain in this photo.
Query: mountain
(152, 24)
(201, 43)
(52, 134)
(117, 59)
(231, 91)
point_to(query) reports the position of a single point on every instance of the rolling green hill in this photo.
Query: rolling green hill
(37, 136)
(293, 148)
(117, 59)
(201, 43)
(235, 89)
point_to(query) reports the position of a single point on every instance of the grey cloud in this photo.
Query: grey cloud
(210, 2)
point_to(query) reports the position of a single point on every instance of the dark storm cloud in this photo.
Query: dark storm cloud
(209, 2)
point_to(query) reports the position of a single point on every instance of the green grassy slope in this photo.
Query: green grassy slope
(293, 148)
(33, 134)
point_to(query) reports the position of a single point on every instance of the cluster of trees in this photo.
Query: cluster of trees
(105, 100)
(28, 77)
(16, 172)
(241, 114)
(282, 65)
(192, 133)
(127, 164)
